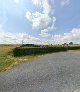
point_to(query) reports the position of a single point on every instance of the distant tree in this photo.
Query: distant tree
(65, 45)
(71, 43)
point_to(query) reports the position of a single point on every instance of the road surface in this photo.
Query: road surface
(57, 72)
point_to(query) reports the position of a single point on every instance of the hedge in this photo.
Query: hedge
(74, 47)
(20, 51)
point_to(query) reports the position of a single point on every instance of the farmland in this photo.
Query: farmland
(11, 55)
(7, 60)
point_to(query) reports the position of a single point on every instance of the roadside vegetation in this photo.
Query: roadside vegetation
(74, 47)
(23, 51)
(42, 49)
(7, 60)
(11, 55)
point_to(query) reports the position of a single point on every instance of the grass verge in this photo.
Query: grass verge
(7, 61)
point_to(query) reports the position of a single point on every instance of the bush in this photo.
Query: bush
(21, 51)
(74, 47)
(30, 45)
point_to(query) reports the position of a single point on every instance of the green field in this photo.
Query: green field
(7, 60)
(11, 55)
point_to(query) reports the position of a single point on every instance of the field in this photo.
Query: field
(7, 60)
(11, 55)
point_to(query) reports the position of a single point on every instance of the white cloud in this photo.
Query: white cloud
(44, 4)
(38, 20)
(47, 6)
(72, 36)
(44, 33)
(52, 27)
(42, 20)
(29, 16)
(16, 38)
(37, 2)
(16, 1)
(65, 2)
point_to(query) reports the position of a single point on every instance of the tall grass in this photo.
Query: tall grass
(7, 60)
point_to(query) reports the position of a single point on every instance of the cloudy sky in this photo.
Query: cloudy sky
(39, 21)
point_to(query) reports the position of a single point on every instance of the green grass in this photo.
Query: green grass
(26, 54)
(4, 63)
(7, 60)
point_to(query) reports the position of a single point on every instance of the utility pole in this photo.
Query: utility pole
(22, 42)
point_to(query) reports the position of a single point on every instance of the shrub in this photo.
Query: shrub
(20, 51)
(74, 47)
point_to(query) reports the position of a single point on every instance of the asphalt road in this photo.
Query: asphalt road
(57, 72)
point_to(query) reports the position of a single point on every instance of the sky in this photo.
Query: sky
(39, 21)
